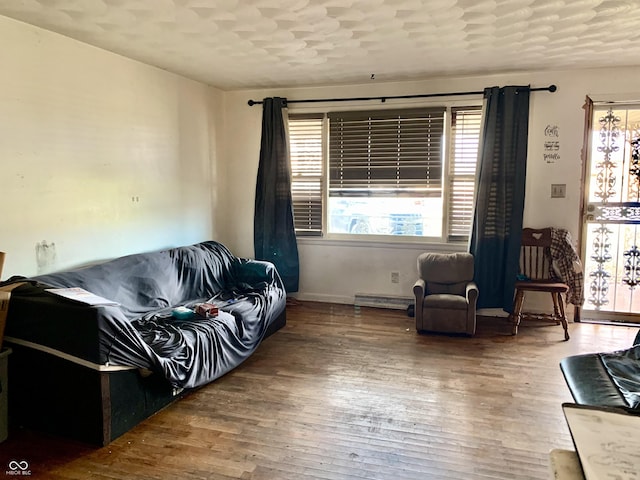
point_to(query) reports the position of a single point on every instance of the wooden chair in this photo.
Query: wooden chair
(535, 276)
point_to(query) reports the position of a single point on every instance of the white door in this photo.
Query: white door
(611, 227)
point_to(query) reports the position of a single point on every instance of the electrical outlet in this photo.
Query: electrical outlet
(395, 277)
(558, 190)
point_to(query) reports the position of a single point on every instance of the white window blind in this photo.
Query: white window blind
(305, 151)
(386, 152)
(465, 136)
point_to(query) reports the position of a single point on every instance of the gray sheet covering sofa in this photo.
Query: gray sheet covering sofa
(122, 363)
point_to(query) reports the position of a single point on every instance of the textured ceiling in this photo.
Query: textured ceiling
(235, 44)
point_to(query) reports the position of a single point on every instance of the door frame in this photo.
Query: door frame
(621, 318)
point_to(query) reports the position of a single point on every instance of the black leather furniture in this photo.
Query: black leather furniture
(605, 379)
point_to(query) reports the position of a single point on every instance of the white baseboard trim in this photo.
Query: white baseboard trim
(360, 300)
(492, 312)
(395, 302)
(324, 298)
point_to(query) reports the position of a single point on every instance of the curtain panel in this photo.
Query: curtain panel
(273, 228)
(497, 224)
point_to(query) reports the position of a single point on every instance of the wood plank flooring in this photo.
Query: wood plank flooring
(349, 393)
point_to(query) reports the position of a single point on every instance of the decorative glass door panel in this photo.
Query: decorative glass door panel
(611, 230)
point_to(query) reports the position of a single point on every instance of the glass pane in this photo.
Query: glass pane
(386, 216)
(612, 269)
(305, 151)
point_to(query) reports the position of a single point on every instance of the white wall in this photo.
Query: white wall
(336, 271)
(103, 156)
(100, 155)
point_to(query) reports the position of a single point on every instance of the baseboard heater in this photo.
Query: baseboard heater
(395, 302)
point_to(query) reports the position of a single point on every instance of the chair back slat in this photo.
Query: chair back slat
(535, 254)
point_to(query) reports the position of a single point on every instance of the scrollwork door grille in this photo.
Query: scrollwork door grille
(612, 220)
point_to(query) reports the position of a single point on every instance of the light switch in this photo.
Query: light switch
(558, 190)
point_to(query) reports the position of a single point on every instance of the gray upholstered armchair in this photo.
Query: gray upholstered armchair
(445, 293)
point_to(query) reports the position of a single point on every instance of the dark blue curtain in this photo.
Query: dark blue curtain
(274, 237)
(497, 224)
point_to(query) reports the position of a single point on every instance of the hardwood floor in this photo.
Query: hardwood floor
(343, 392)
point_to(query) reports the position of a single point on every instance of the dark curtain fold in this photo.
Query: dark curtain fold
(497, 224)
(274, 234)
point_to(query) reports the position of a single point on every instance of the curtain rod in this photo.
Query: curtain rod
(251, 103)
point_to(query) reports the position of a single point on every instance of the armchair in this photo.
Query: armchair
(445, 294)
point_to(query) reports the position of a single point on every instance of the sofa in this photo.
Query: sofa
(93, 372)
(609, 379)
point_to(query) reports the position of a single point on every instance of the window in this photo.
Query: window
(389, 172)
(465, 136)
(385, 171)
(305, 152)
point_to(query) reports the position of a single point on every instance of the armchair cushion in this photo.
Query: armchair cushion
(435, 288)
(447, 301)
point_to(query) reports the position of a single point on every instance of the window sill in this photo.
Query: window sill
(380, 242)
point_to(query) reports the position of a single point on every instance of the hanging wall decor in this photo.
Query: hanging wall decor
(551, 144)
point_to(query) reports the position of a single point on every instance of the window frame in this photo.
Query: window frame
(390, 240)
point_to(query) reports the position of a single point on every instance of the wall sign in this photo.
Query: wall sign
(551, 144)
